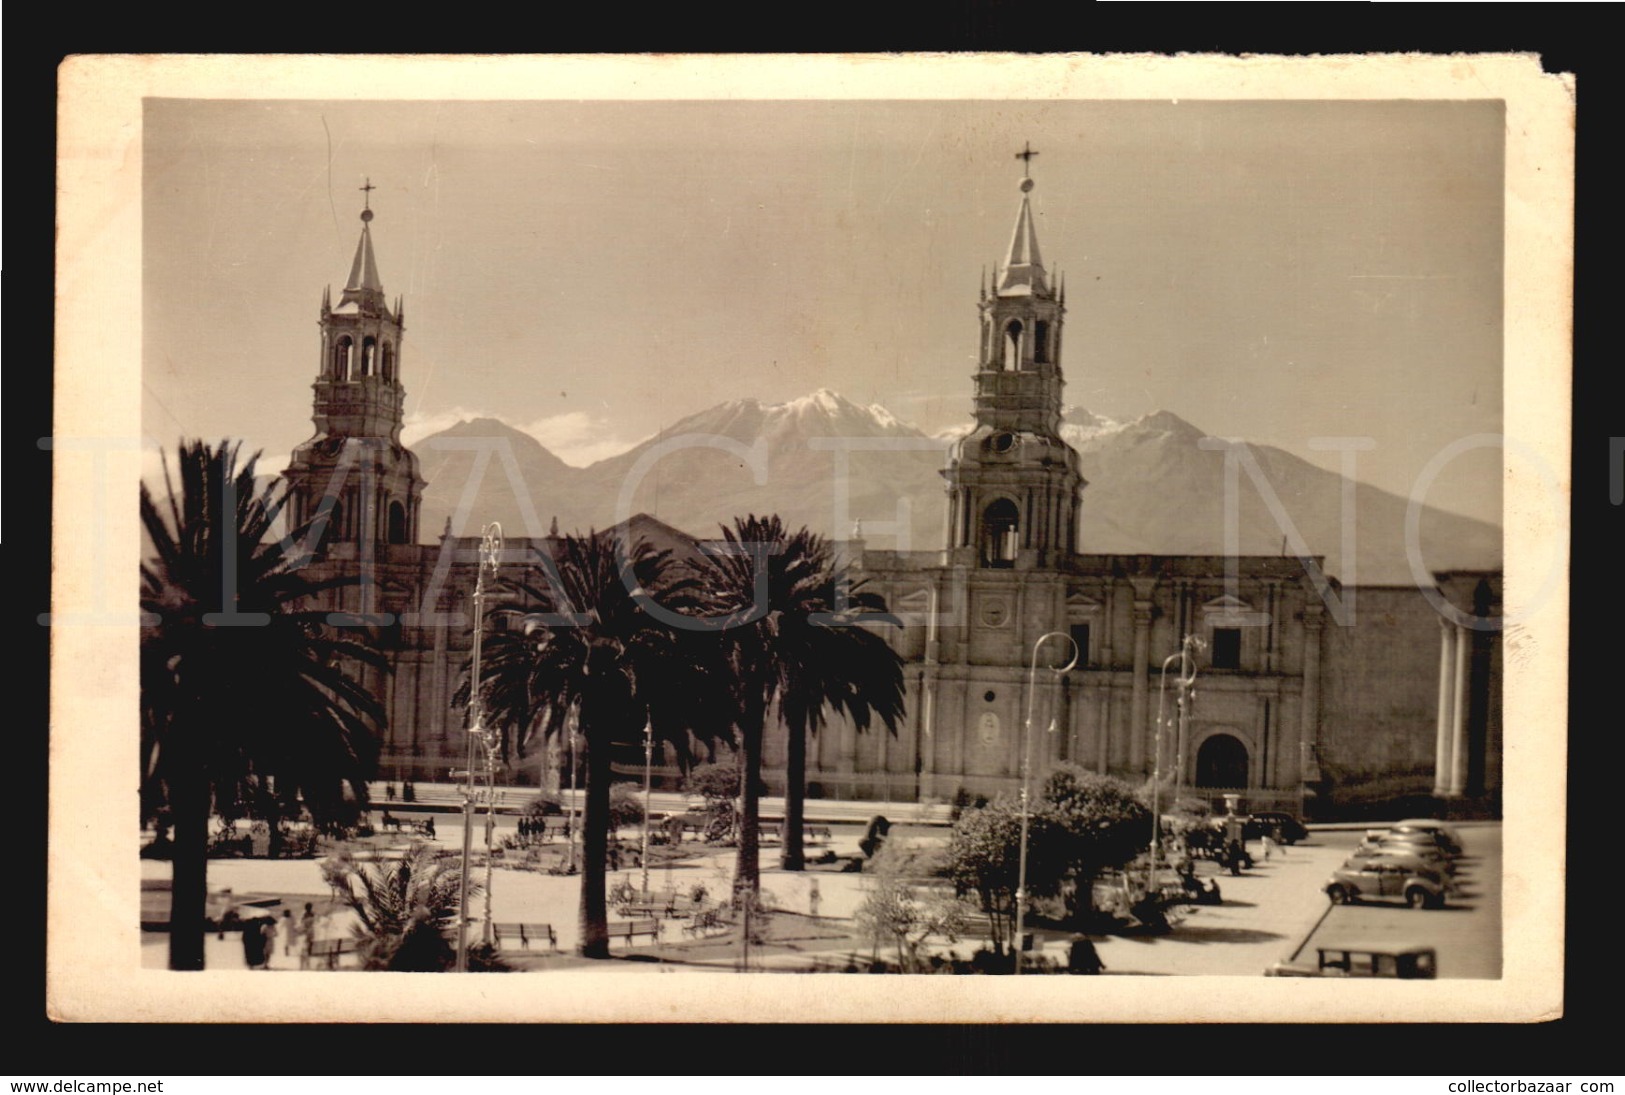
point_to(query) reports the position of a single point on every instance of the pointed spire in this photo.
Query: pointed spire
(364, 286)
(1023, 267)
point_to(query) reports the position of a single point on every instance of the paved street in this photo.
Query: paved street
(1267, 911)
(1466, 933)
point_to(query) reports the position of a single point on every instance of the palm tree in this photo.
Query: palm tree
(794, 639)
(597, 632)
(247, 695)
(406, 910)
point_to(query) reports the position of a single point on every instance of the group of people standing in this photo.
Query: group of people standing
(260, 935)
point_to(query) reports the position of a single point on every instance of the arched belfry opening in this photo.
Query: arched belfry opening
(334, 530)
(1221, 762)
(1001, 533)
(341, 359)
(397, 523)
(1041, 342)
(389, 361)
(1012, 344)
(369, 356)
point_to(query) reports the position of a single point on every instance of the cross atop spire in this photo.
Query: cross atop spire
(364, 286)
(1026, 157)
(1022, 272)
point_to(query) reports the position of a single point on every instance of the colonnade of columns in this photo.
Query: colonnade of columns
(1450, 741)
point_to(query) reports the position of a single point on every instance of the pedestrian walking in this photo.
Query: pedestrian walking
(307, 928)
(290, 931)
(1082, 957)
(1269, 845)
(268, 933)
(813, 897)
(254, 943)
(1280, 844)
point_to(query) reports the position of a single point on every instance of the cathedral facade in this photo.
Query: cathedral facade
(1258, 675)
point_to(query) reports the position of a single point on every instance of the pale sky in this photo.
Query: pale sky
(592, 271)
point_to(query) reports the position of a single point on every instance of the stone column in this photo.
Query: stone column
(926, 742)
(1103, 732)
(1138, 704)
(1309, 733)
(1444, 739)
(1458, 728)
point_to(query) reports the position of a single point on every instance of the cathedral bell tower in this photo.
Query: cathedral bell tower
(1013, 484)
(355, 465)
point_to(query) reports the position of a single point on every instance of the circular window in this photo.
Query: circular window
(989, 696)
(1002, 442)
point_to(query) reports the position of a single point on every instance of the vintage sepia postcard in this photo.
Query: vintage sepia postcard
(652, 526)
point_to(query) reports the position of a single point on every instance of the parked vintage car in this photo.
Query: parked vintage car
(1387, 878)
(1408, 858)
(1442, 834)
(1271, 821)
(1429, 854)
(1267, 822)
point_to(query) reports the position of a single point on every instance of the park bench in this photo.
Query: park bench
(810, 834)
(629, 929)
(705, 921)
(526, 933)
(671, 905)
(325, 953)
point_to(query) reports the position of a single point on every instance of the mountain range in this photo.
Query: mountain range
(1153, 488)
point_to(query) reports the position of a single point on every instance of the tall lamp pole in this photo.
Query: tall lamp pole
(1026, 769)
(648, 760)
(570, 815)
(1187, 677)
(487, 932)
(490, 549)
(1187, 694)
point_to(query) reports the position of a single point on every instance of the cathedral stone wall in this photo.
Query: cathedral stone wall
(1381, 687)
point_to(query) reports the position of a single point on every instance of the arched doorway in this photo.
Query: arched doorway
(1221, 762)
(1001, 532)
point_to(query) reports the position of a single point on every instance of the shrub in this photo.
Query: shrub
(625, 805)
(546, 804)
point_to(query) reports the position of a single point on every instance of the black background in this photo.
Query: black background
(1585, 1041)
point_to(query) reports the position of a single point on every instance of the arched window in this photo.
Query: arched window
(341, 358)
(1041, 342)
(1012, 344)
(369, 356)
(389, 361)
(333, 531)
(1221, 762)
(397, 523)
(1001, 533)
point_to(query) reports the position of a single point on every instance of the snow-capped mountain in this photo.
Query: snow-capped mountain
(1152, 487)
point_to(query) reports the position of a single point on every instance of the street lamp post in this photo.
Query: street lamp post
(570, 811)
(490, 549)
(1026, 768)
(487, 933)
(1187, 694)
(648, 760)
(1187, 677)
